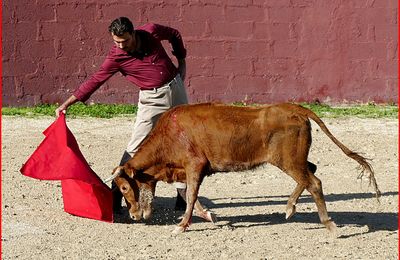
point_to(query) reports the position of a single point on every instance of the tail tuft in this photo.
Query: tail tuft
(366, 167)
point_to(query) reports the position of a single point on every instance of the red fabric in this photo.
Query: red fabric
(58, 158)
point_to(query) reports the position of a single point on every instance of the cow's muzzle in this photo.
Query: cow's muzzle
(146, 197)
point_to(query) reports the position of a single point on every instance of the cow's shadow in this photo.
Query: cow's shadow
(380, 221)
(164, 213)
(282, 199)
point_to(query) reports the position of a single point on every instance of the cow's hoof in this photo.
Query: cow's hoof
(178, 230)
(207, 215)
(290, 211)
(211, 217)
(331, 226)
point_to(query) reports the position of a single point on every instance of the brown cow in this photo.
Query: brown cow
(192, 141)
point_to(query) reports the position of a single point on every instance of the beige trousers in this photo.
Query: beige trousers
(151, 105)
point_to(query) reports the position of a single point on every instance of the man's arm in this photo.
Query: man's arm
(172, 35)
(107, 69)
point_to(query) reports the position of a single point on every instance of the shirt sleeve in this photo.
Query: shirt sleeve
(107, 69)
(162, 32)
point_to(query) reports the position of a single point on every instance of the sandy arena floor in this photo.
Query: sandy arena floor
(250, 205)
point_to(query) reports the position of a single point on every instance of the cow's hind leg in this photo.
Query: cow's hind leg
(315, 188)
(313, 185)
(292, 201)
(294, 197)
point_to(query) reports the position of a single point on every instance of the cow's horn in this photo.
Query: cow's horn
(116, 173)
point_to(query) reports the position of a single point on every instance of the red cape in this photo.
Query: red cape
(58, 158)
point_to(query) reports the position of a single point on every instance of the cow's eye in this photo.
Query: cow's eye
(124, 189)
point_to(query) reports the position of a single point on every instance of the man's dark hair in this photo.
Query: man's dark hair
(120, 26)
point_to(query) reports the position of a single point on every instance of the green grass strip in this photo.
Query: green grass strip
(362, 111)
(109, 111)
(79, 109)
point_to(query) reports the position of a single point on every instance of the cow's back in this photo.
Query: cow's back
(230, 137)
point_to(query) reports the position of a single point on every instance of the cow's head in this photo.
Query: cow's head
(138, 190)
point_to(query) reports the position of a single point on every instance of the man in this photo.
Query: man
(140, 57)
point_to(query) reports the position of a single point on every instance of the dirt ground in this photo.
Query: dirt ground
(250, 205)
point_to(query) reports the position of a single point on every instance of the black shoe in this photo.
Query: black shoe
(180, 203)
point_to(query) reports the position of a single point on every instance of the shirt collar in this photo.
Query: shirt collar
(120, 52)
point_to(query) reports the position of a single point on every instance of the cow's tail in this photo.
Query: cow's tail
(365, 165)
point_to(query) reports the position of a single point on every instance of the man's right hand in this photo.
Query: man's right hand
(63, 108)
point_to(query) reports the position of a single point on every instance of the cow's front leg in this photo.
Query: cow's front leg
(193, 184)
(199, 210)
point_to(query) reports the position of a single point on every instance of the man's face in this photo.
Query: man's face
(126, 42)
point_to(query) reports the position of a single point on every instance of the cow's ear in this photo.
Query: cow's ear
(129, 171)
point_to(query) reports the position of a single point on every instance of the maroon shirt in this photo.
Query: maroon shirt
(149, 67)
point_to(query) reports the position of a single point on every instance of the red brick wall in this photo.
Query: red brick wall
(244, 50)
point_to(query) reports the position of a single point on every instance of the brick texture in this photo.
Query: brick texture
(262, 51)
